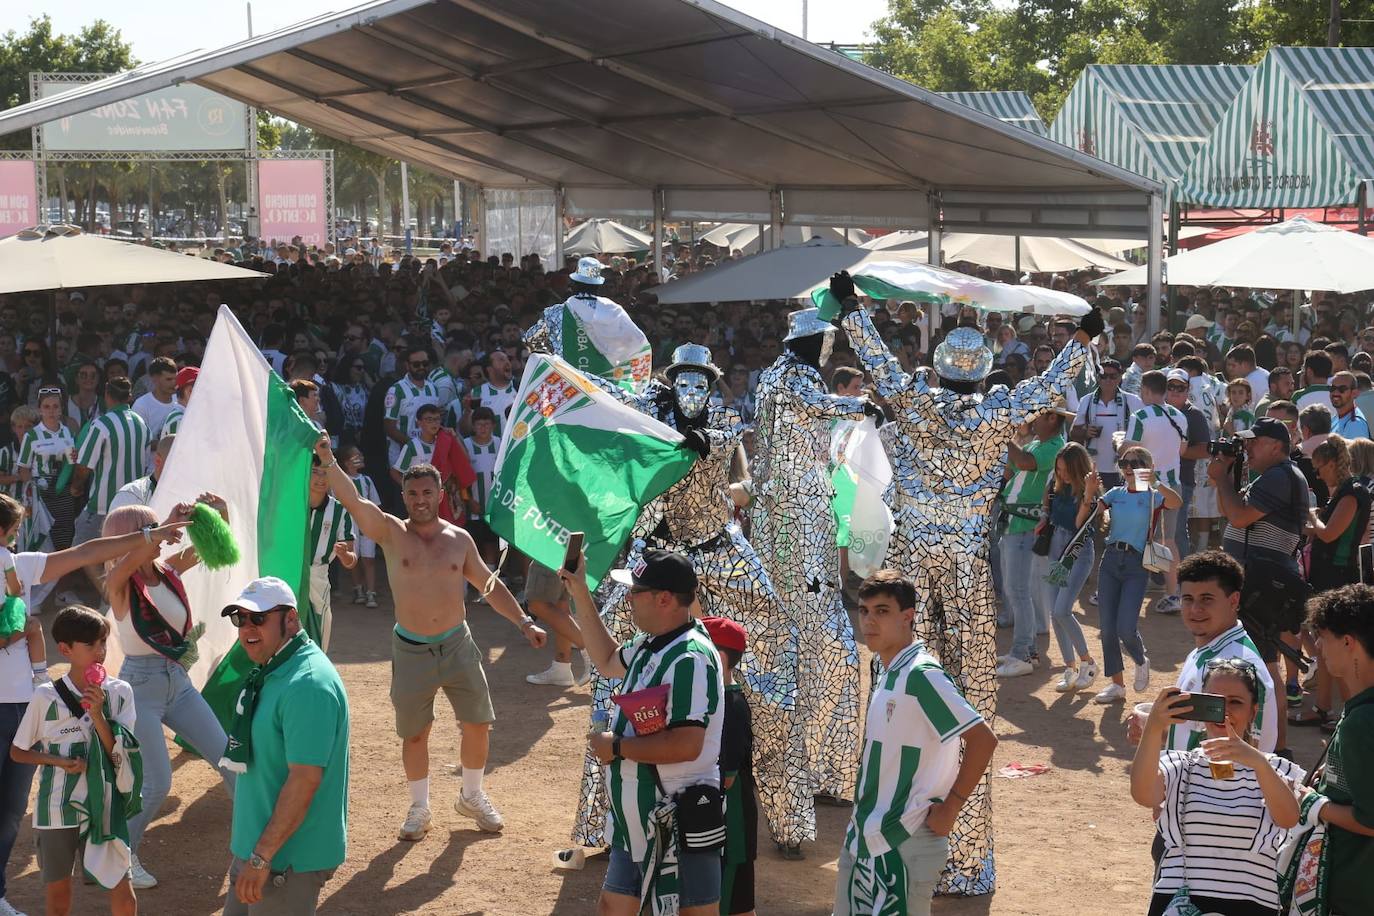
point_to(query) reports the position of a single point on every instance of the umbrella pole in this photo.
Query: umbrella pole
(1016, 240)
(52, 320)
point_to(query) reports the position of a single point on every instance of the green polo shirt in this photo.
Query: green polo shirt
(1026, 489)
(301, 718)
(1349, 780)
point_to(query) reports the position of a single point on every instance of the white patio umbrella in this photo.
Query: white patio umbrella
(744, 237)
(1037, 254)
(1297, 254)
(64, 257)
(604, 236)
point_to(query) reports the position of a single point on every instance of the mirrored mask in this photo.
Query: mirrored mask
(692, 389)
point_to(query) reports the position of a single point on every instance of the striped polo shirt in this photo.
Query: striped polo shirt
(44, 450)
(483, 460)
(365, 487)
(414, 452)
(910, 755)
(1163, 431)
(499, 400)
(112, 446)
(404, 397)
(1234, 643)
(172, 423)
(9, 467)
(329, 524)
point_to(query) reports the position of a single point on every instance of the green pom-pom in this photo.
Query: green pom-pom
(13, 616)
(213, 539)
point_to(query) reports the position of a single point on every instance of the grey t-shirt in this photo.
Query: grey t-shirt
(1281, 493)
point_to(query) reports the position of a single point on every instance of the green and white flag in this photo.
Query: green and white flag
(576, 459)
(860, 472)
(600, 338)
(244, 438)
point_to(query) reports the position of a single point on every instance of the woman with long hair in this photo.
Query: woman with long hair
(46, 451)
(39, 370)
(351, 385)
(84, 404)
(1064, 497)
(157, 632)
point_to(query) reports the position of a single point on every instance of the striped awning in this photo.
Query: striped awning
(1015, 108)
(1300, 134)
(1151, 119)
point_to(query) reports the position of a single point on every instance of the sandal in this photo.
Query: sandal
(1317, 717)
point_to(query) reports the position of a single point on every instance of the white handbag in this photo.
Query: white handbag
(1156, 558)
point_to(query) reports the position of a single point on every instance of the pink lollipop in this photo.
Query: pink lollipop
(95, 674)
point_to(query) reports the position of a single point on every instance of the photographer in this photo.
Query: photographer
(1265, 522)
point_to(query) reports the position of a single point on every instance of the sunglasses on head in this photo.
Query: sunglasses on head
(46, 391)
(241, 618)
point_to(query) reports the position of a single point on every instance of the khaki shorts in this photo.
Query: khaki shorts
(543, 584)
(418, 672)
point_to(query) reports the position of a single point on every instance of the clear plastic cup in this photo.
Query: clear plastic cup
(1143, 477)
(1142, 714)
(1222, 769)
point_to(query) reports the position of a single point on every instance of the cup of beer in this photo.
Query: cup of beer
(1222, 769)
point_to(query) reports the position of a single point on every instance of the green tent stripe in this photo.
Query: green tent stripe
(1015, 108)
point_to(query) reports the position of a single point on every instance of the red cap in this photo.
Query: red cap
(726, 634)
(187, 375)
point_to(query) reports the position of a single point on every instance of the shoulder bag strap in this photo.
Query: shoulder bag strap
(69, 699)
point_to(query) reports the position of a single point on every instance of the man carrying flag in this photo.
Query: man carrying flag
(428, 562)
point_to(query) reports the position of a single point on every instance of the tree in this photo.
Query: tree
(97, 48)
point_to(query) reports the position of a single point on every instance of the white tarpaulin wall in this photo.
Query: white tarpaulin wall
(519, 222)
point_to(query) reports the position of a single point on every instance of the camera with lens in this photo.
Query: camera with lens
(1227, 448)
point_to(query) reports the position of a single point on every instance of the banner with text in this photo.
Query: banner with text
(177, 119)
(18, 199)
(291, 200)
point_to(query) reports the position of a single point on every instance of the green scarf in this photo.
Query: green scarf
(108, 808)
(239, 751)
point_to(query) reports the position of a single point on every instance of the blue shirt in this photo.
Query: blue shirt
(1351, 426)
(1130, 515)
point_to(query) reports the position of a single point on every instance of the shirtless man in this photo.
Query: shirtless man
(427, 562)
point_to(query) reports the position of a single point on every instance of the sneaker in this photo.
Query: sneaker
(1087, 673)
(1067, 681)
(553, 676)
(7, 908)
(1142, 676)
(1014, 667)
(580, 680)
(138, 875)
(371, 599)
(1035, 660)
(566, 859)
(791, 851)
(417, 823)
(359, 596)
(1112, 693)
(1169, 604)
(1092, 599)
(481, 810)
(1294, 695)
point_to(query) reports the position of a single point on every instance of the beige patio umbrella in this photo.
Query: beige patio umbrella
(604, 236)
(744, 237)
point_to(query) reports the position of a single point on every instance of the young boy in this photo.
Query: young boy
(482, 447)
(80, 750)
(22, 419)
(421, 445)
(365, 571)
(912, 781)
(1240, 417)
(736, 774)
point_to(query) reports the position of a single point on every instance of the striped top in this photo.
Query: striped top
(365, 487)
(483, 460)
(498, 399)
(414, 452)
(44, 451)
(171, 424)
(1223, 825)
(910, 756)
(329, 524)
(404, 397)
(9, 467)
(50, 728)
(113, 446)
(1234, 643)
(1163, 430)
(448, 386)
(1314, 394)
(685, 660)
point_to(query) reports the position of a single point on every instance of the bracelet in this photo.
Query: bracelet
(147, 533)
(526, 622)
(332, 464)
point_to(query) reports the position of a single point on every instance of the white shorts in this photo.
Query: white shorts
(364, 546)
(1204, 502)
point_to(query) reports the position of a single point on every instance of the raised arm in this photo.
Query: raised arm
(371, 520)
(601, 647)
(885, 370)
(536, 337)
(1036, 395)
(100, 550)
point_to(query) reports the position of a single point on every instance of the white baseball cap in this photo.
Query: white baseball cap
(263, 594)
(1177, 375)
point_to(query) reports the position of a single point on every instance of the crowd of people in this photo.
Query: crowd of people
(1227, 467)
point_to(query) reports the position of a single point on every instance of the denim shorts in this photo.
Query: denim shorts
(698, 877)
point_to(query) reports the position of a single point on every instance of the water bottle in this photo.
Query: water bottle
(601, 720)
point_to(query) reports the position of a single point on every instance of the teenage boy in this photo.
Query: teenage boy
(80, 735)
(912, 778)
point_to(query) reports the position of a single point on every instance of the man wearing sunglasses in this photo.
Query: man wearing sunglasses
(1101, 415)
(1349, 422)
(288, 742)
(407, 395)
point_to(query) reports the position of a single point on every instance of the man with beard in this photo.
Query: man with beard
(428, 562)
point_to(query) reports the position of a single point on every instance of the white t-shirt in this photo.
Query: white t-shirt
(153, 411)
(16, 674)
(1259, 386)
(1111, 416)
(167, 604)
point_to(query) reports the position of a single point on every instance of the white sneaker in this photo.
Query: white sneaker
(1087, 673)
(1014, 667)
(481, 810)
(555, 675)
(371, 599)
(1169, 604)
(1112, 693)
(1067, 681)
(138, 875)
(1142, 676)
(359, 596)
(7, 908)
(417, 823)
(580, 680)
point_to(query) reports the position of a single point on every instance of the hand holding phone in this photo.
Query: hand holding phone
(574, 552)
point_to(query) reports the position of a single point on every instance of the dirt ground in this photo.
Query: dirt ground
(1067, 842)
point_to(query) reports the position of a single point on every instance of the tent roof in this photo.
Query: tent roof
(1015, 108)
(1299, 134)
(1149, 118)
(610, 100)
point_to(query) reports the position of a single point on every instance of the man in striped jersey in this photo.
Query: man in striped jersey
(407, 395)
(499, 390)
(331, 536)
(647, 770)
(482, 447)
(110, 452)
(912, 778)
(186, 383)
(420, 448)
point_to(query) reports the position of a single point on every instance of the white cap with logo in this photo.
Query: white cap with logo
(263, 594)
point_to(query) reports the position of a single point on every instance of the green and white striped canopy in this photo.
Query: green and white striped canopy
(1015, 108)
(1151, 119)
(1299, 134)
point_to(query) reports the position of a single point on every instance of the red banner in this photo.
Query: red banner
(291, 201)
(18, 196)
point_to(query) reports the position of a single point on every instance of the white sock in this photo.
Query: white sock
(40, 667)
(419, 791)
(472, 782)
(564, 667)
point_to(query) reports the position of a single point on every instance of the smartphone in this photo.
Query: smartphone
(574, 551)
(1207, 707)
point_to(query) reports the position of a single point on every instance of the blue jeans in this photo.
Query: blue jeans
(1018, 566)
(163, 694)
(1061, 599)
(1121, 582)
(1181, 529)
(15, 780)
(995, 565)
(698, 876)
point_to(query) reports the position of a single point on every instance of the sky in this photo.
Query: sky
(158, 30)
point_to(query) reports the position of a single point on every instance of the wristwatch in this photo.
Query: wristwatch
(615, 750)
(257, 861)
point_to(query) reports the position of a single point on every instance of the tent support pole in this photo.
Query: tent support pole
(1016, 240)
(934, 238)
(1362, 197)
(1173, 250)
(479, 205)
(1154, 270)
(559, 258)
(775, 217)
(658, 232)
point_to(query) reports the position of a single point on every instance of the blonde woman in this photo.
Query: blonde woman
(1063, 500)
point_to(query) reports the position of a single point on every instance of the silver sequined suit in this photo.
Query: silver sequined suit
(793, 530)
(546, 334)
(949, 474)
(694, 517)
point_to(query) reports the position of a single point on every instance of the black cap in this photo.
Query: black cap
(1269, 428)
(661, 570)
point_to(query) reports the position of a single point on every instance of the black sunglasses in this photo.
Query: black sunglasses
(420, 365)
(1342, 388)
(29, 351)
(241, 618)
